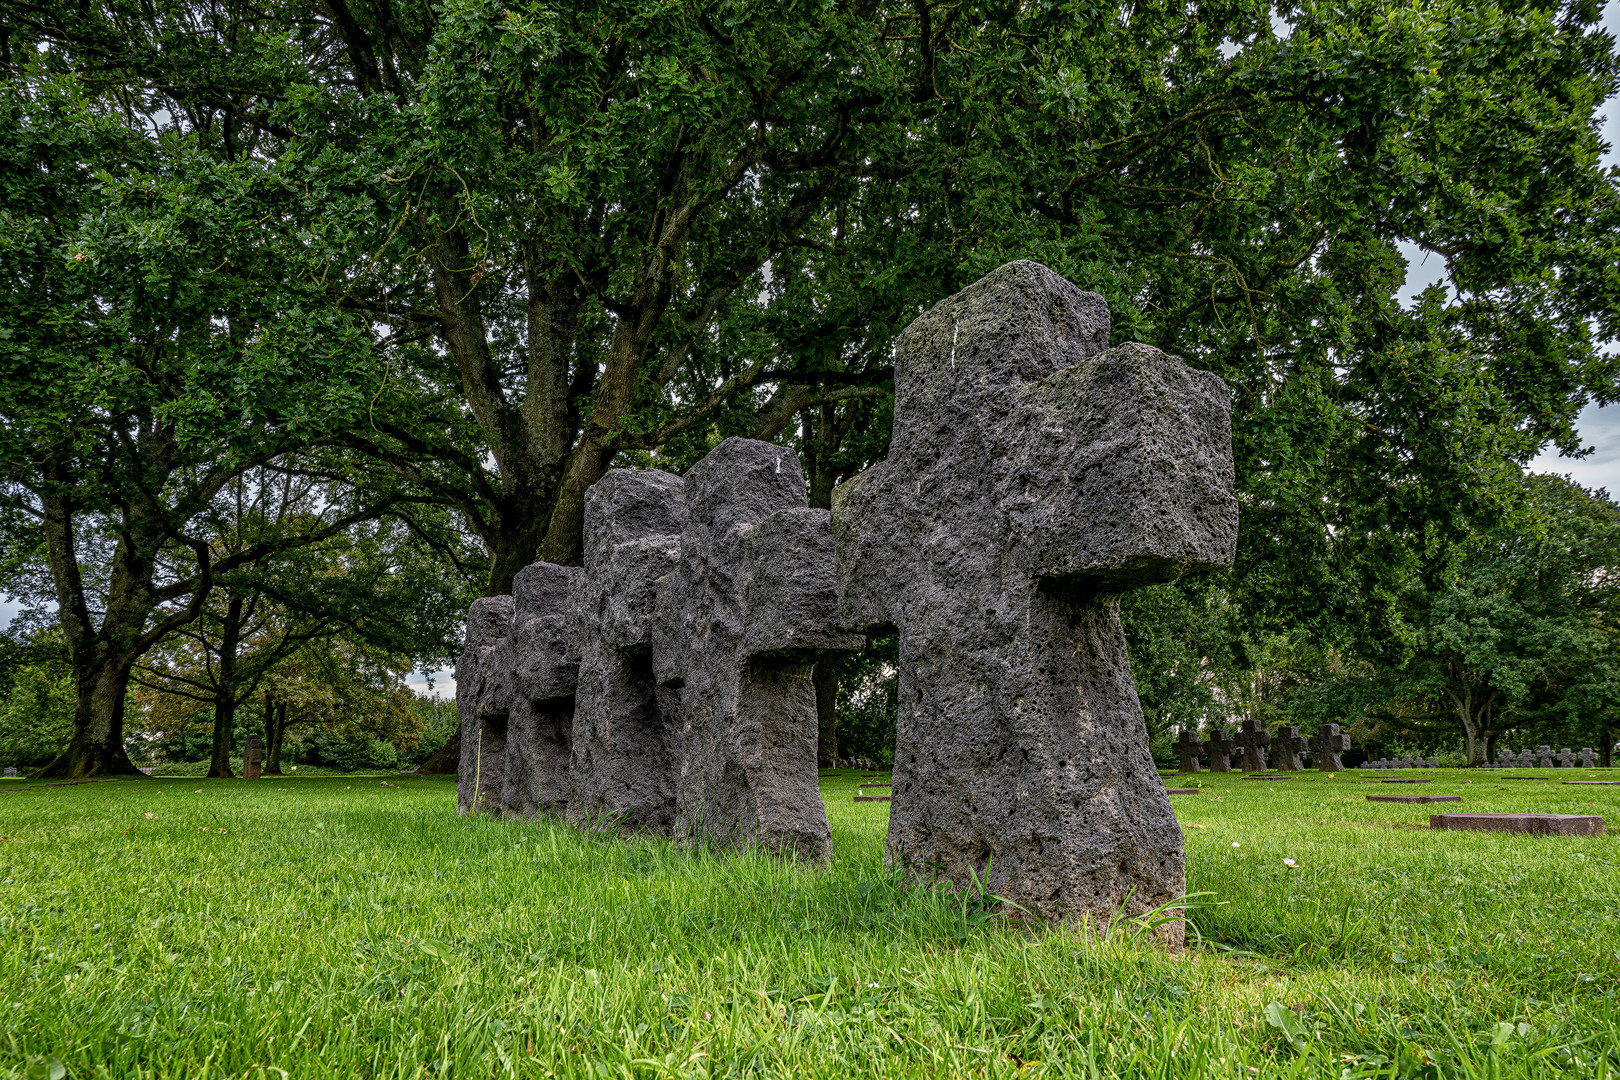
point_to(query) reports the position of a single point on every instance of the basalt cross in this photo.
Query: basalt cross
(1221, 748)
(1254, 739)
(1188, 747)
(738, 627)
(1288, 745)
(1326, 746)
(1034, 475)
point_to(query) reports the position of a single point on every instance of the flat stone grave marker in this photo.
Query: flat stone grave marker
(1408, 780)
(1414, 798)
(1183, 791)
(874, 798)
(1521, 778)
(1593, 782)
(1268, 776)
(1530, 824)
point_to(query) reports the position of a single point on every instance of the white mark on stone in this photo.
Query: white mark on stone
(778, 462)
(954, 330)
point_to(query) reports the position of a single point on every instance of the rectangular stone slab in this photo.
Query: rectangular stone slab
(1267, 776)
(1403, 780)
(1534, 824)
(874, 798)
(1183, 791)
(1414, 798)
(1592, 782)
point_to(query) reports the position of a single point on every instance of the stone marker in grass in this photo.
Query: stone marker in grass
(1220, 748)
(1326, 746)
(1566, 758)
(1183, 791)
(624, 753)
(11, 770)
(483, 735)
(874, 798)
(1588, 758)
(1414, 798)
(1288, 745)
(253, 758)
(1405, 780)
(1535, 824)
(1034, 475)
(1253, 738)
(740, 624)
(1544, 757)
(1594, 783)
(531, 672)
(1188, 746)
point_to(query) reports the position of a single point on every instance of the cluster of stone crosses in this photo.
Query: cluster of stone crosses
(1401, 763)
(1252, 740)
(857, 763)
(1544, 757)
(1034, 475)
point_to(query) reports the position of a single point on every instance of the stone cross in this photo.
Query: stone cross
(1527, 759)
(626, 753)
(11, 770)
(1034, 475)
(1326, 746)
(1220, 748)
(1188, 747)
(1566, 758)
(1588, 758)
(528, 677)
(253, 758)
(1544, 756)
(1254, 739)
(483, 734)
(738, 627)
(1288, 745)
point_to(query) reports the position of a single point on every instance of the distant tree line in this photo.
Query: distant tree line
(321, 316)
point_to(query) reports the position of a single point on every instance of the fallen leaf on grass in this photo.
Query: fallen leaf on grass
(1198, 826)
(151, 815)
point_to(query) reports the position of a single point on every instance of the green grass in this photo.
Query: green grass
(315, 927)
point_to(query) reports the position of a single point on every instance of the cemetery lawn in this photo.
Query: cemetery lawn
(334, 927)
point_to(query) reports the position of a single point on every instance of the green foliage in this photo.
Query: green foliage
(36, 714)
(867, 703)
(437, 725)
(411, 937)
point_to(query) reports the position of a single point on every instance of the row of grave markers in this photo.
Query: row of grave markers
(1401, 763)
(1544, 758)
(1287, 746)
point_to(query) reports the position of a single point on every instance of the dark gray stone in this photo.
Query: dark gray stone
(1589, 758)
(625, 753)
(1220, 748)
(1566, 758)
(531, 675)
(1033, 476)
(483, 716)
(1188, 746)
(1287, 744)
(1183, 791)
(739, 626)
(1413, 798)
(1535, 824)
(1544, 757)
(1326, 746)
(11, 770)
(253, 758)
(1253, 739)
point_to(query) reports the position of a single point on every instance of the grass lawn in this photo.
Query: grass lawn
(319, 927)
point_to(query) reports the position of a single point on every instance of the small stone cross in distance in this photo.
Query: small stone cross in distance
(1326, 746)
(1188, 747)
(1253, 738)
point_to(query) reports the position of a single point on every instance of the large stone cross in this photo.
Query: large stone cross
(1588, 758)
(1033, 476)
(1288, 745)
(483, 733)
(1188, 747)
(1566, 758)
(529, 677)
(1254, 739)
(625, 755)
(739, 625)
(1326, 746)
(1221, 748)
(1544, 757)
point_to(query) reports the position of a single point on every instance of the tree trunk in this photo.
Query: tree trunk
(219, 766)
(97, 746)
(825, 679)
(1605, 745)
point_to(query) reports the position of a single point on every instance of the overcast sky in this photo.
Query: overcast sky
(1600, 428)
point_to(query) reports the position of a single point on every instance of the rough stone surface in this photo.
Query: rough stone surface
(483, 718)
(1220, 748)
(1188, 746)
(1253, 739)
(1544, 757)
(1287, 744)
(1589, 758)
(1034, 475)
(531, 676)
(11, 770)
(1566, 758)
(1537, 824)
(253, 758)
(1326, 746)
(625, 754)
(1414, 798)
(739, 626)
